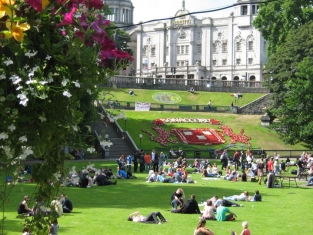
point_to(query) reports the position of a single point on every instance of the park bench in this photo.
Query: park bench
(185, 107)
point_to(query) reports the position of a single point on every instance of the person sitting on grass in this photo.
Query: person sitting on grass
(102, 180)
(154, 217)
(121, 174)
(177, 198)
(67, 205)
(245, 230)
(192, 90)
(256, 197)
(221, 213)
(201, 229)
(189, 207)
(205, 173)
(208, 213)
(23, 207)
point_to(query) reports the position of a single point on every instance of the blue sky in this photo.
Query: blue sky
(155, 9)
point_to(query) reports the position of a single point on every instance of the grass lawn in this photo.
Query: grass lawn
(199, 98)
(104, 210)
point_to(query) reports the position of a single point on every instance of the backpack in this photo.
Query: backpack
(294, 172)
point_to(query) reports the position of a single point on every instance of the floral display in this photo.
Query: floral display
(202, 136)
(162, 121)
(234, 138)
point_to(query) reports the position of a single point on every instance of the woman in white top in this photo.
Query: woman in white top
(201, 229)
(214, 169)
(242, 197)
(208, 213)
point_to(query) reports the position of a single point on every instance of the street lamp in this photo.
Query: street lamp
(140, 137)
(125, 119)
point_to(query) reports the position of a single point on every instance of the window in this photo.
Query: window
(198, 49)
(214, 62)
(224, 47)
(177, 63)
(224, 62)
(238, 46)
(214, 48)
(238, 61)
(153, 51)
(182, 50)
(250, 45)
(187, 50)
(167, 51)
(123, 15)
(255, 9)
(250, 60)
(178, 50)
(244, 10)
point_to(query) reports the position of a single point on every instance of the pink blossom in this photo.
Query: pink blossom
(68, 18)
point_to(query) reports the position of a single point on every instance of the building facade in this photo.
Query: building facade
(227, 48)
(122, 12)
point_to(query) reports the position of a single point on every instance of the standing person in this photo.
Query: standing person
(54, 227)
(201, 229)
(154, 217)
(260, 167)
(23, 207)
(136, 159)
(232, 105)
(236, 159)
(245, 230)
(147, 162)
(270, 165)
(142, 161)
(162, 159)
(177, 198)
(221, 213)
(299, 164)
(152, 158)
(209, 104)
(67, 205)
(129, 161)
(224, 159)
(242, 159)
(156, 162)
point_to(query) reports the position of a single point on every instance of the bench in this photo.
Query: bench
(290, 178)
(185, 107)
(304, 175)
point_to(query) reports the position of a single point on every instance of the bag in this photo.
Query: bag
(222, 157)
(294, 172)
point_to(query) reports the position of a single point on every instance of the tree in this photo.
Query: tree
(52, 57)
(276, 19)
(290, 77)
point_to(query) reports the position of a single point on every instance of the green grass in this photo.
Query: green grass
(199, 98)
(104, 210)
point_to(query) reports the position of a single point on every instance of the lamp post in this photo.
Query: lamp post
(125, 119)
(140, 137)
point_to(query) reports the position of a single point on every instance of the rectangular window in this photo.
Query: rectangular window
(177, 63)
(238, 61)
(214, 48)
(167, 50)
(238, 46)
(253, 9)
(224, 47)
(244, 10)
(214, 62)
(198, 49)
(187, 50)
(250, 45)
(224, 62)
(182, 49)
(250, 60)
(153, 51)
(178, 50)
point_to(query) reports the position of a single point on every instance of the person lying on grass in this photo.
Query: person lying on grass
(154, 217)
(242, 197)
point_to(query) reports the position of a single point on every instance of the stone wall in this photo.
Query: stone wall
(256, 107)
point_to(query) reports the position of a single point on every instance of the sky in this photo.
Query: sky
(146, 10)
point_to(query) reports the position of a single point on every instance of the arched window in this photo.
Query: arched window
(236, 81)
(252, 81)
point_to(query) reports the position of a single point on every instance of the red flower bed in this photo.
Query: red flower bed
(234, 138)
(203, 136)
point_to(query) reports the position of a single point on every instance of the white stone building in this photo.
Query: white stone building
(122, 12)
(227, 48)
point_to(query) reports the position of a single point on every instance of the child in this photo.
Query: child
(245, 230)
(54, 228)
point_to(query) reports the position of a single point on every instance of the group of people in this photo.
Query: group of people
(63, 205)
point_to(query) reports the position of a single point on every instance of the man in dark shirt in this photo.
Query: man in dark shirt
(66, 204)
(189, 207)
(23, 207)
(300, 166)
(102, 180)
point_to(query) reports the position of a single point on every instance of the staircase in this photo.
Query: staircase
(256, 107)
(120, 145)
